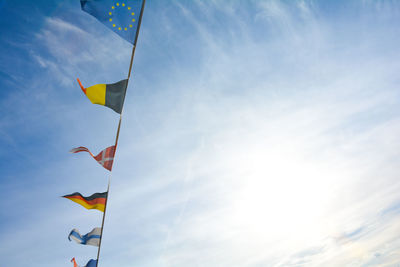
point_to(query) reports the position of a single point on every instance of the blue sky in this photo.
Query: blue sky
(254, 133)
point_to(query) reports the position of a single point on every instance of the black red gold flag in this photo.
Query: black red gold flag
(96, 201)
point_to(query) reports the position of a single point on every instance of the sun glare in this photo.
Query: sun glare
(281, 195)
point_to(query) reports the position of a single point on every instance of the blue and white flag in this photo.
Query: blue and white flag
(91, 238)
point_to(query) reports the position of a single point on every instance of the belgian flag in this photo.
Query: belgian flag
(96, 201)
(109, 95)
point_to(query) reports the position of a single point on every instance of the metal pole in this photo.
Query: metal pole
(102, 222)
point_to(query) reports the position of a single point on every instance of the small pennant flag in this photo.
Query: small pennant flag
(105, 158)
(75, 264)
(92, 238)
(121, 17)
(91, 263)
(96, 201)
(109, 95)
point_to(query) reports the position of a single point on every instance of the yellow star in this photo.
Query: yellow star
(110, 13)
(112, 7)
(125, 28)
(110, 19)
(130, 26)
(123, 4)
(133, 14)
(119, 28)
(129, 8)
(133, 20)
(117, 4)
(113, 25)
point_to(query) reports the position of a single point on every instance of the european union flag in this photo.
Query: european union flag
(120, 16)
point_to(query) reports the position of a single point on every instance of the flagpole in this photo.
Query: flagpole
(119, 126)
(102, 222)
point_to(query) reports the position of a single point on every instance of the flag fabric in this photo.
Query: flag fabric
(91, 263)
(105, 158)
(92, 238)
(109, 95)
(75, 264)
(96, 201)
(122, 17)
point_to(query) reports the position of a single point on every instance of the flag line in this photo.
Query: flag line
(119, 127)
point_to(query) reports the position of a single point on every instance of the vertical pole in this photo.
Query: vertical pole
(119, 127)
(102, 222)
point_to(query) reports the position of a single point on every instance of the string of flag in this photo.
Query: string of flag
(123, 18)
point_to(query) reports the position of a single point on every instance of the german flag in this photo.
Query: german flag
(96, 201)
(109, 95)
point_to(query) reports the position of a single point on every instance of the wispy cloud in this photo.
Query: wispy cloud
(264, 141)
(290, 158)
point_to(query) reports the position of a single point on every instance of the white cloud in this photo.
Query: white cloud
(275, 149)
(286, 145)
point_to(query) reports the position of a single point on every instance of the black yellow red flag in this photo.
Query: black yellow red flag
(96, 201)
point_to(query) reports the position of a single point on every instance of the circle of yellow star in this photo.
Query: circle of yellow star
(111, 19)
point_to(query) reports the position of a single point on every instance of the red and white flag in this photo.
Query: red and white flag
(105, 157)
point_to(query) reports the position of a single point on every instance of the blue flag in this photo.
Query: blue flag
(91, 263)
(121, 16)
